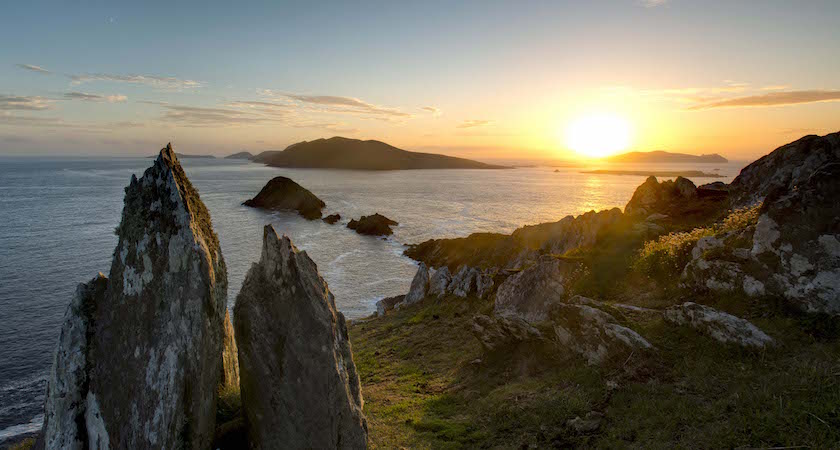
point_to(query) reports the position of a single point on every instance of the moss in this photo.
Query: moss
(25, 444)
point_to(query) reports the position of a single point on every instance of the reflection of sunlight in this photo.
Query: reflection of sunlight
(593, 191)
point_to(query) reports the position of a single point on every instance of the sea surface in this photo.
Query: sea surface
(57, 220)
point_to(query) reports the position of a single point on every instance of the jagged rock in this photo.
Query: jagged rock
(419, 285)
(282, 193)
(629, 309)
(484, 284)
(140, 354)
(586, 425)
(655, 197)
(300, 388)
(498, 332)
(375, 225)
(568, 233)
(388, 304)
(717, 324)
(439, 282)
(332, 218)
(786, 167)
(229, 378)
(592, 333)
(530, 293)
(465, 282)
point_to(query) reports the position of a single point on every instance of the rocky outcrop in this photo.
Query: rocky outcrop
(388, 304)
(140, 352)
(282, 193)
(652, 196)
(592, 333)
(786, 167)
(439, 282)
(375, 225)
(568, 233)
(530, 294)
(229, 378)
(465, 282)
(419, 285)
(499, 332)
(332, 218)
(300, 388)
(721, 326)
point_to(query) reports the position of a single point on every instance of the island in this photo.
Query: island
(374, 225)
(661, 173)
(343, 153)
(240, 155)
(660, 156)
(282, 193)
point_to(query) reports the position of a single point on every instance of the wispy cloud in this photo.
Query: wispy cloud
(474, 123)
(772, 99)
(653, 3)
(199, 116)
(431, 109)
(156, 81)
(337, 104)
(95, 97)
(23, 103)
(38, 69)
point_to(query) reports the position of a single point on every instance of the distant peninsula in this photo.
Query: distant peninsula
(661, 174)
(665, 157)
(240, 155)
(354, 154)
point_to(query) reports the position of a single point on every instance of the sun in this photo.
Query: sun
(598, 135)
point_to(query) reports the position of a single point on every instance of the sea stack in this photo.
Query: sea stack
(282, 193)
(140, 352)
(299, 384)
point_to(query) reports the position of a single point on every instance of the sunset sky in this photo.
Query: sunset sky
(477, 79)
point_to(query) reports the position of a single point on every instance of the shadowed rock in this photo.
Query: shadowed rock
(375, 225)
(530, 293)
(299, 384)
(721, 326)
(439, 282)
(332, 218)
(388, 304)
(140, 352)
(419, 285)
(592, 333)
(282, 193)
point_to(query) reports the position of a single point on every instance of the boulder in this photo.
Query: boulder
(387, 304)
(140, 352)
(439, 282)
(299, 384)
(465, 282)
(332, 218)
(718, 325)
(786, 167)
(499, 332)
(419, 285)
(375, 225)
(592, 333)
(665, 198)
(530, 293)
(282, 193)
(590, 423)
(484, 284)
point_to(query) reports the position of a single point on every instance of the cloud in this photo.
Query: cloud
(7, 118)
(23, 103)
(38, 69)
(95, 97)
(435, 111)
(337, 104)
(772, 99)
(199, 116)
(474, 123)
(149, 80)
(653, 3)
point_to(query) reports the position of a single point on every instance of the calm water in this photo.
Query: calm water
(57, 218)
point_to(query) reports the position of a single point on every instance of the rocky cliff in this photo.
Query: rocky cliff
(299, 383)
(140, 352)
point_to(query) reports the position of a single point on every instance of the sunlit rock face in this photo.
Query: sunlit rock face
(665, 197)
(140, 352)
(300, 388)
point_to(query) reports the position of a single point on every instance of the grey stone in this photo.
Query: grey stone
(530, 293)
(439, 282)
(721, 326)
(419, 285)
(499, 332)
(300, 388)
(592, 333)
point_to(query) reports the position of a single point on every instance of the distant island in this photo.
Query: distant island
(240, 155)
(344, 153)
(184, 156)
(665, 157)
(663, 174)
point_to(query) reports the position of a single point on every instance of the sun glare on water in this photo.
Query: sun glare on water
(598, 135)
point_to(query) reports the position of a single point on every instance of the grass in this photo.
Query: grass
(427, 384)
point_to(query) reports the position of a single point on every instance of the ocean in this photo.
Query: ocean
(57, 220)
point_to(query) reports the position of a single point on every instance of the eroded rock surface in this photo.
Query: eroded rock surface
(419, 285)
(281, 193)
(300, 388)
(499, 332)
(592, 333)
(721, 326)
(439, 282)
(140, 352)
(529, 294)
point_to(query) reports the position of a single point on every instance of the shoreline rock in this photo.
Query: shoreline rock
(373, 225)
(281, 193)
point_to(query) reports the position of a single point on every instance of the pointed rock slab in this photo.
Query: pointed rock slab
(140, 352)
(230, 358)
(465, 282)
(720, 326)
(419, 285)
(300, 388)
(530, 293)
(439, 282)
